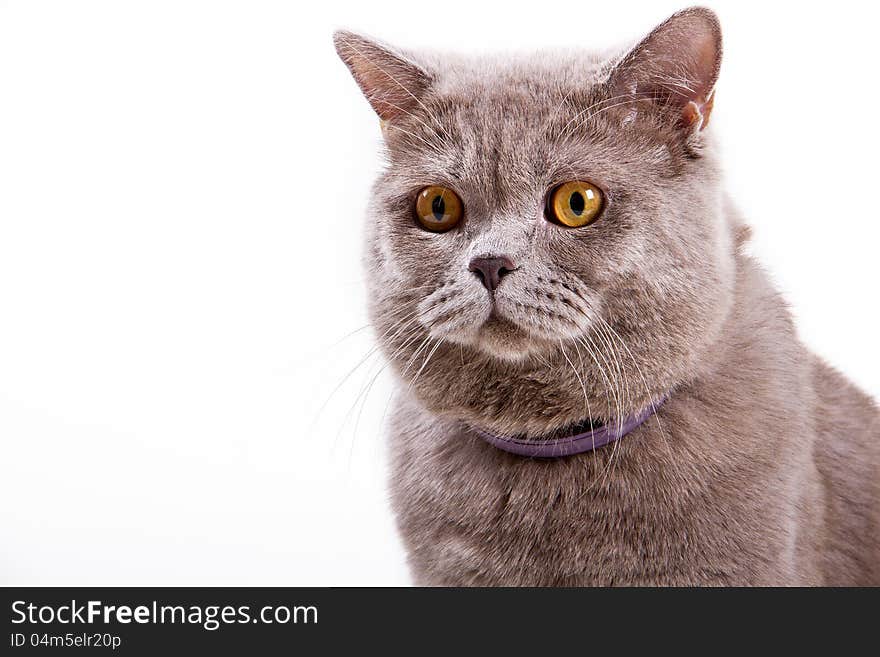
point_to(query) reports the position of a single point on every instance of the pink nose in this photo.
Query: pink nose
(491, 269)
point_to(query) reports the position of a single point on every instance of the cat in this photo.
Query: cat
(551, 260)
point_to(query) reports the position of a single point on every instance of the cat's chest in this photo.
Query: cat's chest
(636, 512)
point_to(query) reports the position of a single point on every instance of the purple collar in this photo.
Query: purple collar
(569, 445)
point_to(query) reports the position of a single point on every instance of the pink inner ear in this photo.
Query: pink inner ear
(677, 66)
(696, 114)
(705, 66)
(390, 82)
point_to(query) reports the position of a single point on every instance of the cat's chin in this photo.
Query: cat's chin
(502, 339)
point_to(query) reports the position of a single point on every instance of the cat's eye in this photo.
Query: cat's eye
(438, 208)
(575, 204)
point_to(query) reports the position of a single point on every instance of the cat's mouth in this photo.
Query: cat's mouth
(494, 317)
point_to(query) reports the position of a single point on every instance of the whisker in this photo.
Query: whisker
(425, 364)
(651, 397)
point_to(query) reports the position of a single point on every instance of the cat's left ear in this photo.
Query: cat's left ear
(390, 81)
(673, 70)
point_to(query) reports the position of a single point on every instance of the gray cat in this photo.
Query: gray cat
(597, 386)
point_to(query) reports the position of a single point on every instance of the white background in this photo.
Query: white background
(181, 192)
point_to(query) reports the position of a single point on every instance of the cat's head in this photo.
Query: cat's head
(548, 232)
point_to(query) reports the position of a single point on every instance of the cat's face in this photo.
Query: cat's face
(507, 300)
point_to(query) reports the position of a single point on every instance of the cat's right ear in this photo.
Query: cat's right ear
(390, 81)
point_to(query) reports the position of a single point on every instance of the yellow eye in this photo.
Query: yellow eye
(438, 208)
(575, 204)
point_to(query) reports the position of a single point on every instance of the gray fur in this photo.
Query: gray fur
(763, 467)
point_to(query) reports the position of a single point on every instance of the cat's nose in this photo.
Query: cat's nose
(491, 269)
